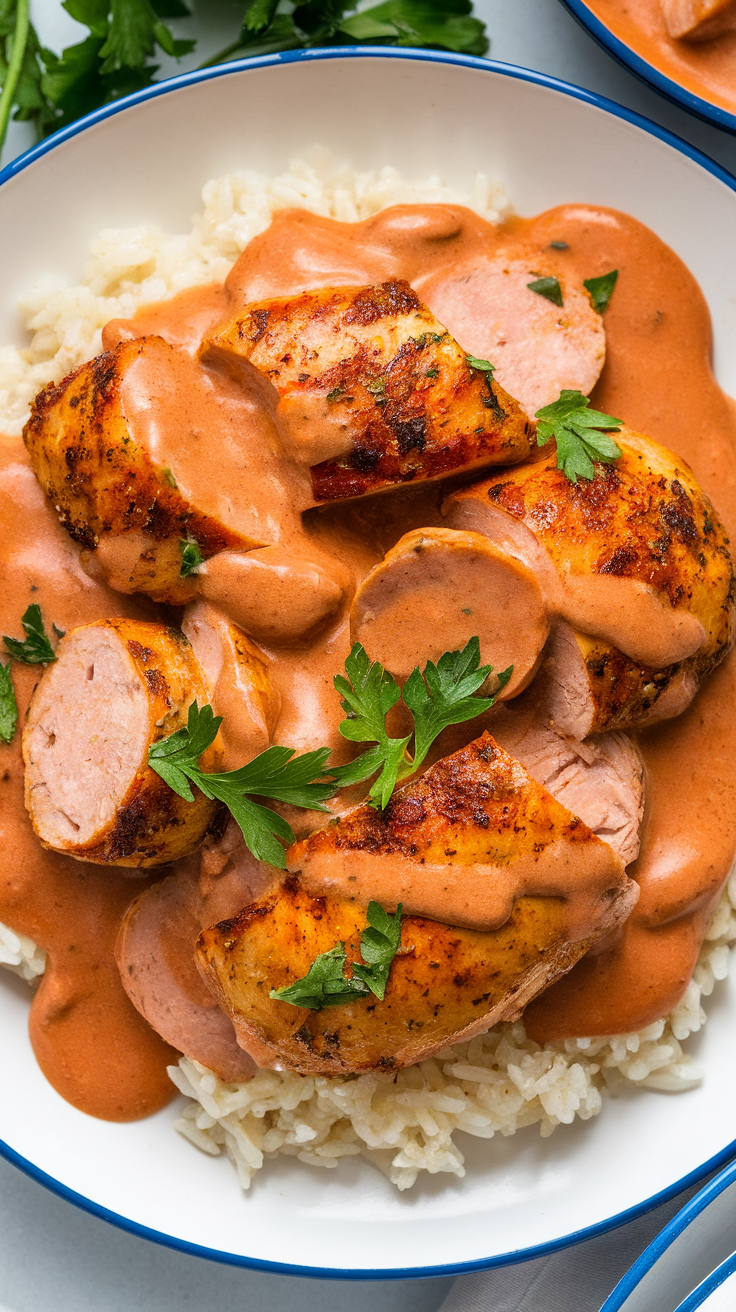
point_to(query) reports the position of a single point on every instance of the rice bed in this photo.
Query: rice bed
(497, 1083)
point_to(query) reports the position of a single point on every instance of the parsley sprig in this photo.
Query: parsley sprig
(577, 432)
(441, 695)
(276, 773)
(123, 39)
(35, 648)
(325, 983)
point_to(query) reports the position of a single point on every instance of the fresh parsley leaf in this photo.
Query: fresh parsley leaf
(325, 983)
(576, 430)
(35, 649)
(8, 705)
(441, 696)
(601, 289)
(379, 944)
(444, 24)
(367, 695)
(276, 773)
(484, 365)
(549, 288)
(191, 557)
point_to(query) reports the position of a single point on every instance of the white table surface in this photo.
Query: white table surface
(53, 1257)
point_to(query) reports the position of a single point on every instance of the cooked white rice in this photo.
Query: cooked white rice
(129, 267)
(495, 1084)
(20, 954)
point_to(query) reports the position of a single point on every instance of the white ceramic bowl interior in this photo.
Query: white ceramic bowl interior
(146, 162)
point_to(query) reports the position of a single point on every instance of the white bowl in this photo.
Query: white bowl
(145, 159)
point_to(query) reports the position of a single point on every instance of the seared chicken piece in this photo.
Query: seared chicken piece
(436, 589)
(124, 484)
(538, 348)
(372, 389)
(636, 556)
(446, 984)
(588, 686)
(461, 843)
(531, 885)
(699, 20)
(116, 687)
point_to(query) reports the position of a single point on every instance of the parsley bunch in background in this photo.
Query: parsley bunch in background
(125, 37)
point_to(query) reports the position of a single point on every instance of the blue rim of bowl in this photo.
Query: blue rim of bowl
(704, 109)
(663, 134)
(708, 1286)
(666, 1237)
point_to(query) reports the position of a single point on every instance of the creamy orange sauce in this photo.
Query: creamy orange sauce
(293, 597)
(707, 68)
(90, 1042)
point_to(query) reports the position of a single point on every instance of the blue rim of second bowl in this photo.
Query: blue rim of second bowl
(647, 72)
(677, 143)
(666, 1237)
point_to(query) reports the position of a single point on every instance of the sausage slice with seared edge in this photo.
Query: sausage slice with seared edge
(116, 687)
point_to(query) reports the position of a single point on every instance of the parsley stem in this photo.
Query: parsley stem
(15, 64)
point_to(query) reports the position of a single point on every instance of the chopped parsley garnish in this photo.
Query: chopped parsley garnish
(325, 983)
(485, 366)
(559, 246)
(601, 289)
(191, 557)
(276, 773)
(577, 432)
(168, 477)
(549, 288)
(35, 649)
(440, 696)
(8, 705)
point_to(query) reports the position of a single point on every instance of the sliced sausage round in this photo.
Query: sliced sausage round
(116, 687)
(537, 346)
(436, 589)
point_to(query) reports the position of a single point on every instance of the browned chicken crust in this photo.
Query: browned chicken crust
(644, 518)
(117, 687)
(103, 485)
(475, 830)
(475, 810)
(374, 366)
(589, 686)
(446, 983)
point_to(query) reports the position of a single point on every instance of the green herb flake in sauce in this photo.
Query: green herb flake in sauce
(601, 289)
(549, 288)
